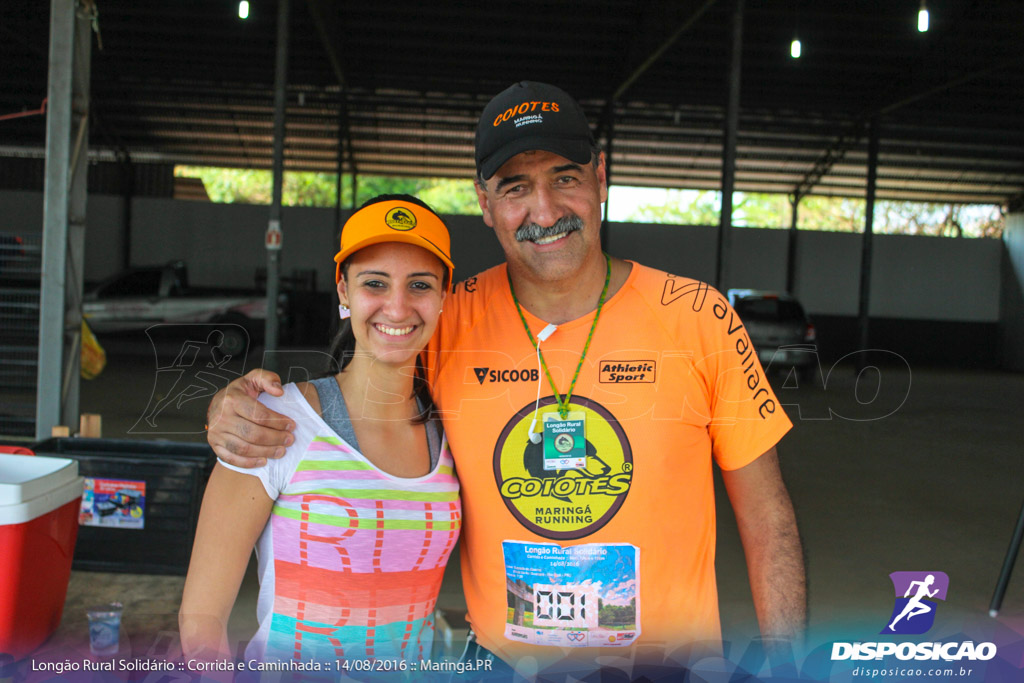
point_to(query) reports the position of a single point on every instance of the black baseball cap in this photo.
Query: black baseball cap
(527, 116)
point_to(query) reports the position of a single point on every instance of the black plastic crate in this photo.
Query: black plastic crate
(175, 475)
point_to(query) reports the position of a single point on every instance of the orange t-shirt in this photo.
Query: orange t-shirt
(670, 383)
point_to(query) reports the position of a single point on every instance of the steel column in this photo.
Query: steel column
(609, 127)
(342, 127)
(325, 20)
(1008, 562)
(274, 250)
(729, 149)
(869, 228)
(794, 203)
(127, 197)
(77, 198)
(64, 205)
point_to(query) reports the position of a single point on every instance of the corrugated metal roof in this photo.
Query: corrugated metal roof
(189, 82)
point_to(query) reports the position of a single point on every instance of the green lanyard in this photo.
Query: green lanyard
(563, 404)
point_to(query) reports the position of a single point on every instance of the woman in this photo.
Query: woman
(354, 524)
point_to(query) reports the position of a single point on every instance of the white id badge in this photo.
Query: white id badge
(579, 596)
(565, 442)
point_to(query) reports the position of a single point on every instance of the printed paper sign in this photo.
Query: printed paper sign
(117, 503)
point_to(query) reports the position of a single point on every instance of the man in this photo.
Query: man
(585, 399)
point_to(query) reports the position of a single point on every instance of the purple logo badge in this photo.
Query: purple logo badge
(916, 593)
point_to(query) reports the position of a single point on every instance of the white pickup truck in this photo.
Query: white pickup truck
(138, 298)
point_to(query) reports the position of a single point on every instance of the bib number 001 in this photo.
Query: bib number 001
(564, 606)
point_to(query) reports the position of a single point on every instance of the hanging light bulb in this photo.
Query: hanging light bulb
(922, 18)
(795, 49)
(243, 9)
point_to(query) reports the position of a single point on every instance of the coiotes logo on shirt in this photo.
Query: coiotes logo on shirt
(564, 504)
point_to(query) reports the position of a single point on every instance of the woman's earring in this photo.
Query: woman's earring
(343, 311)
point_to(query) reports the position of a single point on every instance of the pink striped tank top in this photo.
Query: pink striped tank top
(357, 554)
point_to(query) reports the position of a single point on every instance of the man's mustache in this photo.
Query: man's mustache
(531, 231)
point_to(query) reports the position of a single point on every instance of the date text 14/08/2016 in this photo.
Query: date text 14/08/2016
(426, 665)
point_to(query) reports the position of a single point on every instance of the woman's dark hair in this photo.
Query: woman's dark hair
(343, 346)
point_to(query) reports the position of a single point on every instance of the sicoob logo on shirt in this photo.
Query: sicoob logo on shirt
(564, 504)
(498, 375)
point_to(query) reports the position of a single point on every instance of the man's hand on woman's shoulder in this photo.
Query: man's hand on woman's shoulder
(241, 430)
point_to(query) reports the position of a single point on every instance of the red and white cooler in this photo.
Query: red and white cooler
(39, 504)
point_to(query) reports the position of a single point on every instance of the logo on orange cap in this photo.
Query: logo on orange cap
(395, 220)
(400, 218)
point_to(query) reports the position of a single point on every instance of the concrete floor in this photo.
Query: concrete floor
(901, 469)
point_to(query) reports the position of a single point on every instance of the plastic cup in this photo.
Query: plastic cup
(104, 628)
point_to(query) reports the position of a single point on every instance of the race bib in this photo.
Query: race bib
(579, 596)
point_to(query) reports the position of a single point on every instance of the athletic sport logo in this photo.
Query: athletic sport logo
(628, 371)
(916, 593)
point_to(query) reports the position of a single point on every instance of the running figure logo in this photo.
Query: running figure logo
(200, 369)
(914, 612)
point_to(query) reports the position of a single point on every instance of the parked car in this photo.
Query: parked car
(779, 329)
(138, 298)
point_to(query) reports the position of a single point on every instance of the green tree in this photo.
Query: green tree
(451, 196)
(302, 188)
(840, 214)
(307, 189)
(231, 185)
(368, 186)
(680, 209)
(686, 207)
(944, 220)
(759, 210)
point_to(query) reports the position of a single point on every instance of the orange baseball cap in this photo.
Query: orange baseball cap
(395, 220)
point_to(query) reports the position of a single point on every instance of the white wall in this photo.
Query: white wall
(678, 249)
(828, 280)
(925, 278)
(23, 212)
(223, 243)
(936, 278)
